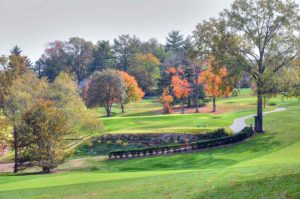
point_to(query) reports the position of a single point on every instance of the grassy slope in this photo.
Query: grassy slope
(267, 165)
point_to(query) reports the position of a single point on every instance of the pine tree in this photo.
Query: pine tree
(174, 41)
(103, 57)
(16, 51)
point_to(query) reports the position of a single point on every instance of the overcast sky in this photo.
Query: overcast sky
(31, 24)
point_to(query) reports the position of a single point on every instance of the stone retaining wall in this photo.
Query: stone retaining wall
(158, 139)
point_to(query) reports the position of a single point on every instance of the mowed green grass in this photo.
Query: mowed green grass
(145, 117)
(265, 166)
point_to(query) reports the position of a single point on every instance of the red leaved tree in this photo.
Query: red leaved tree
(181, 89)
(214, 83)
(166, 99)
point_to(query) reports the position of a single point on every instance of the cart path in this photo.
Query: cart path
(240, 123)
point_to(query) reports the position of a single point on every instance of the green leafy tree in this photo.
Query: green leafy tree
(258, 37)
(13, 67)
(146, 70)
(81, 52)
(26, 91)
(23, 94)
(262, 37)
(64, 92)
(73, 56)
(285, 83)
(41, 136)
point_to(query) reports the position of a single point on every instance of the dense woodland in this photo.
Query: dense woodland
(249, 45)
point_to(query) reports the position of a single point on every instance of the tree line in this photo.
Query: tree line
(147, 62)
(256, 41)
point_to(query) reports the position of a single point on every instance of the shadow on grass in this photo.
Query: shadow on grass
(257, 146)
(33, 173)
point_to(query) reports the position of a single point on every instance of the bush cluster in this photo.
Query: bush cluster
(244, 134)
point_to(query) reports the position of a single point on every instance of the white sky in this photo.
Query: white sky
(32, 23)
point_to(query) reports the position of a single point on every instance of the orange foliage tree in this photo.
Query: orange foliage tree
(214, 83)
(166, 99)
(181, 89)
(133, 92)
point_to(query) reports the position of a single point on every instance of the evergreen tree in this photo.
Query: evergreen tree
(103, 57)
(16, 51)
(154, 47)
(125, 47)
(55, 59)
(174, 41)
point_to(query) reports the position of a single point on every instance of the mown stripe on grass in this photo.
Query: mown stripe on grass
(77, 178)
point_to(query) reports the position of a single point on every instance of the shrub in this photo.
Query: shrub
(244, 134)
(119, 141)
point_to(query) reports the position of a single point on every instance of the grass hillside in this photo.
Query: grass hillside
(265, 166)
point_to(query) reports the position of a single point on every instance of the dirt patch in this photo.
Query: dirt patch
(204, 109)
(5, 168)
(221, 108)
(3, 150)
(77, 163)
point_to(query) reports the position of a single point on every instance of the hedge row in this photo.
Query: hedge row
(244, 134)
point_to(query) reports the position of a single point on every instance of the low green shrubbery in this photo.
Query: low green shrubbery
(244, 134)
(272, 104)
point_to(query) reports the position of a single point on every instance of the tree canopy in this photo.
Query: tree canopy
(259, 37)
(105, 88)
(133, 92)
(146, 70)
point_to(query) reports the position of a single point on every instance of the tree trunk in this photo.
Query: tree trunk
(107, 112)
(16, 150)
(265, 102)
(189, 102)
(122, 107)
(196, 102)
(107, 107)
(214, 105)
(182, 106)
(259, 123)
(46, 170)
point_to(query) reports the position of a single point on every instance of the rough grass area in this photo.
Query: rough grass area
(265, 166)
